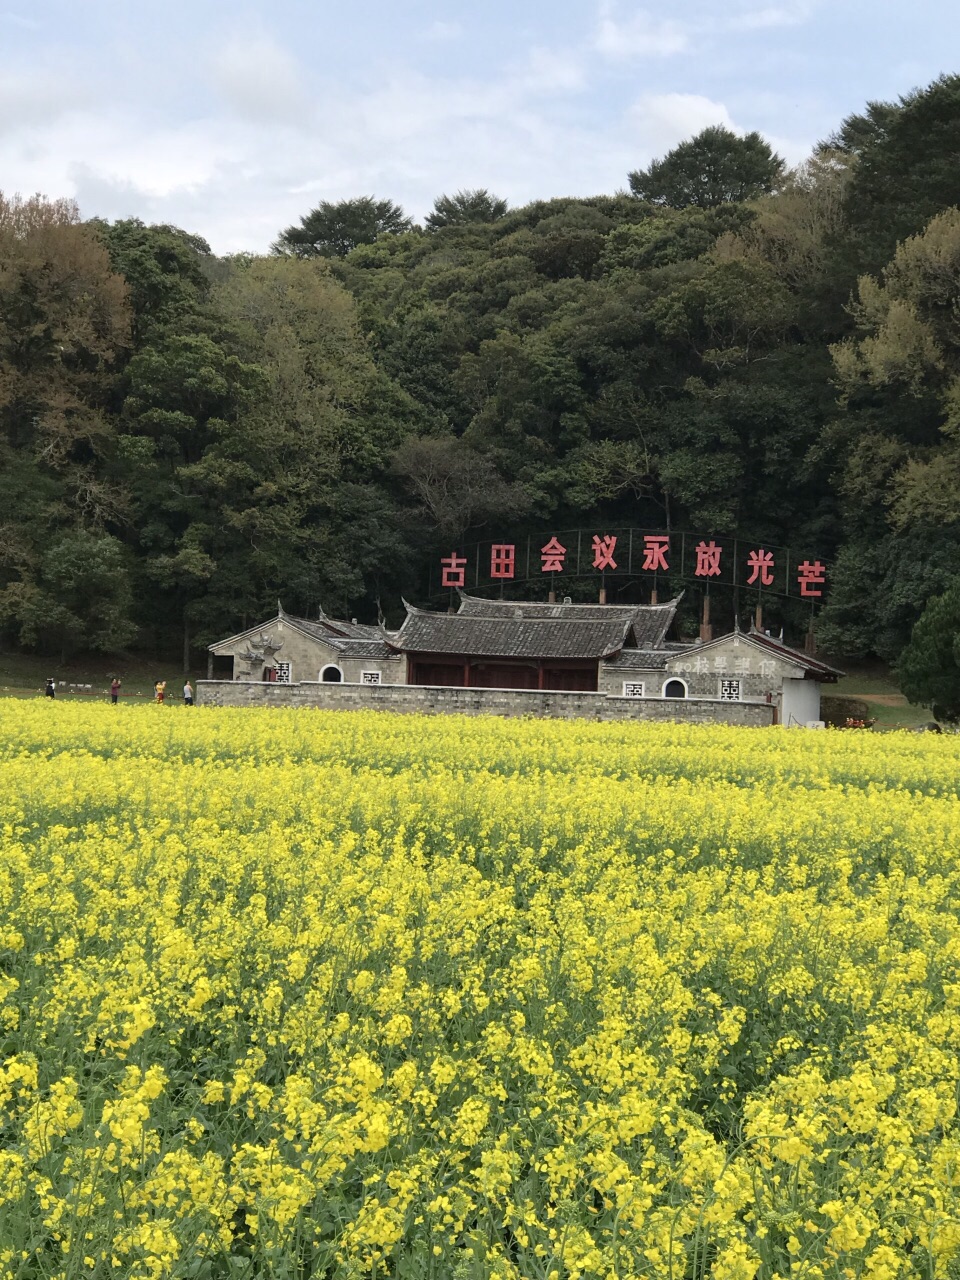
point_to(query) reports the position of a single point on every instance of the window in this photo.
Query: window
(633, 688)
(370, 677)
(283, 673)
(675, 689)
(331, 675)
(729, 690)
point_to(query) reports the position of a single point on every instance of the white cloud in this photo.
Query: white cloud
(28, 102)
(547, 71)
(661, 120)
(641, 35)
(770, 17)
(18, 20)
(443, 32)
(260, 80)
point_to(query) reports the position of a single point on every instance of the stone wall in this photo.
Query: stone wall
(430, 700)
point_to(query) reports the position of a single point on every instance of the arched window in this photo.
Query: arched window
(675, 689)
(331, 675)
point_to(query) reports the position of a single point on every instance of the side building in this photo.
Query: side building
(521, 658)
(289, 650)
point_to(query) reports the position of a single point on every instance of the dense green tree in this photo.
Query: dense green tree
(715, 167)
(163, 267)
(879, 587)
(64, 328)
(906, 170)
(456, 488)
(929, 667)
(905, 360)
(302, 480)
(478, 205)
(79, 598)
(334, 228)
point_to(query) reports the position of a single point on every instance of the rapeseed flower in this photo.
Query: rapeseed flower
(475, 998)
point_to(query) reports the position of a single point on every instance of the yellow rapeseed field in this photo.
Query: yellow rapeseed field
(295, 993)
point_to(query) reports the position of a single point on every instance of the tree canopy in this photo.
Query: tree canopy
(465, 206)
(715, 167)
(333, 229)
(929, 667)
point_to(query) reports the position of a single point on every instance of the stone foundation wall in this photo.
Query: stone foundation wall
(430, 700)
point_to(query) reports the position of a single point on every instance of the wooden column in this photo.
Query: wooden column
(603, 595)
(540, 675)
(758, 618)
(706, 630)
(466, 673)
(653, 596)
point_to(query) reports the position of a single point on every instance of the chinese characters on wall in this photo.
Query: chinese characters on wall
(753, 566)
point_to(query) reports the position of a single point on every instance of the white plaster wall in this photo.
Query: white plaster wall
(800, 702)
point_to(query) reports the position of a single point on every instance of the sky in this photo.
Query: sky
(232, 120)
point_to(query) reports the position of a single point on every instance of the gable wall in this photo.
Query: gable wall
(760, 672)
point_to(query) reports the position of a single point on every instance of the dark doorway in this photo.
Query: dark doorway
(502, 675)
(674, 689)
(443, 673)
(572, 679)
(331, 675)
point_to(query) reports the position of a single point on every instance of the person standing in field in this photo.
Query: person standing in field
(187, 693)
(114, 690)
(158, 690)
(51, 690)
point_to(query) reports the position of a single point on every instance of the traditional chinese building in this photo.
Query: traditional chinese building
(501, 644)
(610, 661)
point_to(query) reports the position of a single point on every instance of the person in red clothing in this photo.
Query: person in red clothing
(114, 690)
(158, 690)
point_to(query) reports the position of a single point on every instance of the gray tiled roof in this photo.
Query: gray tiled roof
(510, 637)
(352, 639)
(641, 659)
(647, 624)
(651, 622)
(365, 649)
(476, 607)
(354, 630)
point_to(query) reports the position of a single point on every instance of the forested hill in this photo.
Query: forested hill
(725, 347)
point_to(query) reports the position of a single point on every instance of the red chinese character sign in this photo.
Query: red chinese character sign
(502, 560)
(684, 557)
(553, 556)
(656, 547)
(454, 569)
(811, 578)
(603, 549)
(760, 564)
(708, 560)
